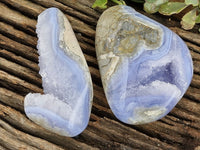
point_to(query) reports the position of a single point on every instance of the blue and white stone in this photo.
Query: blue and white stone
(145, 67)
(65, 106)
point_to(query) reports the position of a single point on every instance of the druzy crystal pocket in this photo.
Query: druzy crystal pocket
(145, 67)
(65, 106)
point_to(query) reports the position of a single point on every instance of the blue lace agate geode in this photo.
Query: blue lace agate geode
(145, 67)
(65, 106)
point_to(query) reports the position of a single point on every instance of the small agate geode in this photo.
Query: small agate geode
(66, 105)
(145, 67)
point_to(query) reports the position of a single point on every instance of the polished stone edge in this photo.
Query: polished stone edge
(74, 51)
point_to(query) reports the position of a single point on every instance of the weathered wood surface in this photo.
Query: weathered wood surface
(180, 129)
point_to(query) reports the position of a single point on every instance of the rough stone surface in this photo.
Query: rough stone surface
(66, 105)
(145, 67)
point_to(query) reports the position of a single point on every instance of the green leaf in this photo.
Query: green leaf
(100, 3)
(119, 2)
(152, 6)
(192, 2)
(188, 20)
(172, 8)
(197, 19)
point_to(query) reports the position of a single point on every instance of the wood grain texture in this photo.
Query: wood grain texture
(180, 129)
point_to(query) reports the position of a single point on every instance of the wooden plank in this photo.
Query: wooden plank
(18, 59)
(19, 49)
(20, 71)
(16, 83)
(17, 19)
(20, 121)
(186, 35)
(22, 140)
(12, 99)
(20, 36)
(19, 76)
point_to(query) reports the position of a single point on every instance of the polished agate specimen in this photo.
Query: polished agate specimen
(145, 67)
(65, 106)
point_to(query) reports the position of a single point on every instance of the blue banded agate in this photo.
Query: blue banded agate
(65, 106)
(145, 67)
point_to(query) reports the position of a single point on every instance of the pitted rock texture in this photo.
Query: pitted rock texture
(145, 67)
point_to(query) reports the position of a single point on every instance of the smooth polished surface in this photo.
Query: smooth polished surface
(145, 67)
(65, 106)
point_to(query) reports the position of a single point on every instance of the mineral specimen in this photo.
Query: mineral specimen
(65, 106)
(145, 67)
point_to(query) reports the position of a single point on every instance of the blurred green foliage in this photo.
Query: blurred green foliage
(165, 7)
(103, 3)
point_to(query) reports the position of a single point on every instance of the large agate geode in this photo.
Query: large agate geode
(66, 105)
(145, 67)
